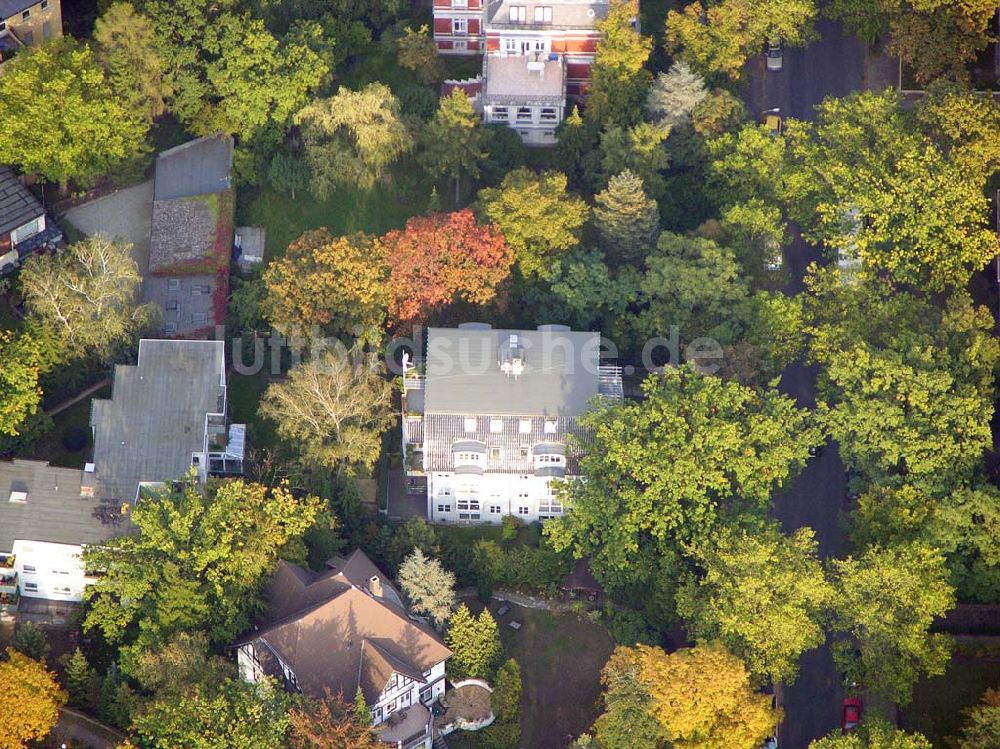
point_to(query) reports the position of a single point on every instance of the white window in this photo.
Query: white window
(495, 509)
(496, 426)
(548, 114)
(523, 495)
(510, 46)
(524, 114)
(445, 491)
(522, 510)
(543, 14)
(499, 114)
(540, 46)
(524, 426)
(460, 45)
(61, 590)
(28, 568)
(495, 453)
(45, 5)
(470, 424)
(518, 13)
(444, 508)
(33, 587)
(459, 26)
(459, 3)
(173, 284)
(26, 15)
(28, 230)
(551, 427)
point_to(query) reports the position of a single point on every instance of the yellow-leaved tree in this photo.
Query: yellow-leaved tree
(31, 698)
(702, 696)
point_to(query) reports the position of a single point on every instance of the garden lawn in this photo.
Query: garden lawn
(348, 211)
(50, 446)
(939, 704)
(561, 656)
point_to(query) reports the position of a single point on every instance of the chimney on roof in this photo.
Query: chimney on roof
(375, 586)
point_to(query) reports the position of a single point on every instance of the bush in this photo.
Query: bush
(502, 736)
(419, 101)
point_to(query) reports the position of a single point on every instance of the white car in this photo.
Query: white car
(774, 54)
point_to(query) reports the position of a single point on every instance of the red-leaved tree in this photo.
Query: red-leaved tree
(442, 257)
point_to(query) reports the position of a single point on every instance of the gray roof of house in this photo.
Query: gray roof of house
(463, 375)
(509, 80)
(186, 303)
(55, 511)
(18, 205)
(9, 8)
(182, 232)
(198, 167)
(156, 415)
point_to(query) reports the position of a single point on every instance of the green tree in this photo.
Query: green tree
(675, 94)
(288, 173)
(31, 640)
(415, 533)
(258, 82)
(453, 140)
(62, 119)
(539, 218)
(330, 724)
(506, 697)
(417, 51)
(719, 112)
(81, 681)
(695, 284)
(703, 698)
(183, 664)
(981, 729)
(32, 699)
(362, 713)
(627, 220)
(198, 561)
(939, 39)
(762, 595)
(589, 296)
(125, 46)
(873, 733)
(429, 587)
(334, 407)
(475, 642)
(619, 80)
(658, 476)
(639, 149)
(886, 601)
(746, 166)
(238, 714)
(865, 180)
(88, 295)
(24, 361)
(352, 138)
(720, 38)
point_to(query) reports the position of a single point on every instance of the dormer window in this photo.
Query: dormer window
(518, 13)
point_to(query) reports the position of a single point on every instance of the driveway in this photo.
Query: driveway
(125, 215)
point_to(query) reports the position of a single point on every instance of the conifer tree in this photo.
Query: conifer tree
(627, 219)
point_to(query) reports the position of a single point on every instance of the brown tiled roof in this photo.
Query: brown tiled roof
(336, 636)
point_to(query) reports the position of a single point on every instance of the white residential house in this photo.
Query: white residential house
(47, 515)
(345, 629)
(490, 418)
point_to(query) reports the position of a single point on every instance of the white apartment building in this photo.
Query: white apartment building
(491, 423)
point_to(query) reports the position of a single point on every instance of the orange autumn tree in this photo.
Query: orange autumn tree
(334, 283)
(329, 724)
(31, 700)
(439, 258)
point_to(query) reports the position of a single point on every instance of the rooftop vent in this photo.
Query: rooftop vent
(474, 326)
(20, 498)
(512, 356)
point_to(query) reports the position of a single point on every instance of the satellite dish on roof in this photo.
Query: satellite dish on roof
(591, 13)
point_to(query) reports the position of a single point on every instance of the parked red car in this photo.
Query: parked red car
(851, 713)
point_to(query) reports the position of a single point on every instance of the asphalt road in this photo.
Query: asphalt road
(833, 65)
